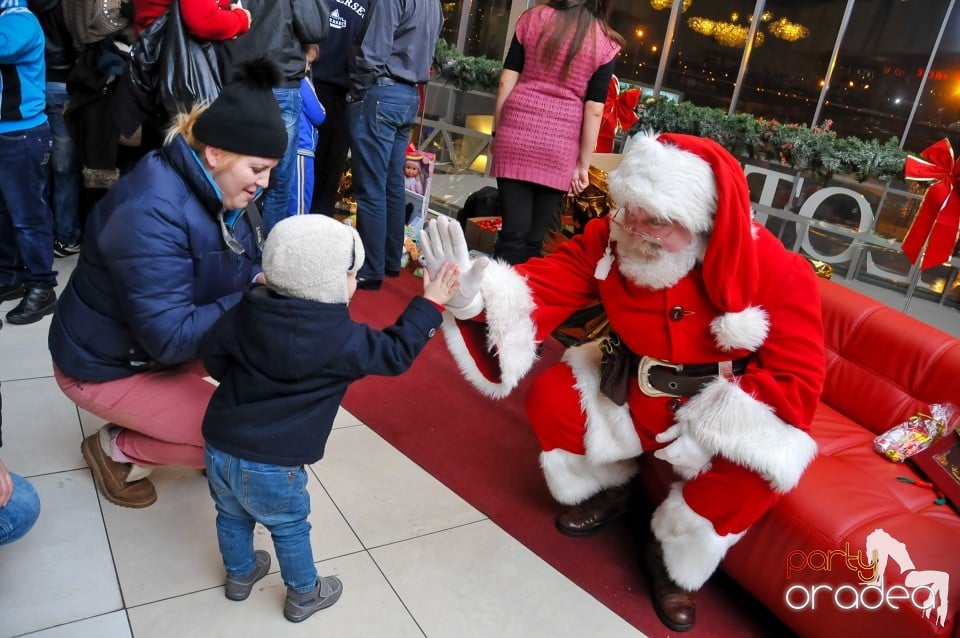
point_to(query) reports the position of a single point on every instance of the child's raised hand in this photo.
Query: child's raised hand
(445, 286)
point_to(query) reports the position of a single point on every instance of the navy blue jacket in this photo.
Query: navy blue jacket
(154, 273)
(284, 365)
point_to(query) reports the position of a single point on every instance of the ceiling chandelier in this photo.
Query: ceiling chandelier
(789, 31)
(726, 33)
(733, 34)
(666, 4)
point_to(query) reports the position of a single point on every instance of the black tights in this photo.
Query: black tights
(527, 211)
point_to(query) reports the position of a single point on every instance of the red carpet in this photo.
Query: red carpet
(483, 450)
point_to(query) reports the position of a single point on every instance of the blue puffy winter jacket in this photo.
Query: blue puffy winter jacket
(154, 273)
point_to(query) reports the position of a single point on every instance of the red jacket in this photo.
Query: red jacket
(205, 19)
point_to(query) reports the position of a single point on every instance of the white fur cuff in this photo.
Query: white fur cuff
(692, 550)
(573, 478)
(730, 423)
(510, 332)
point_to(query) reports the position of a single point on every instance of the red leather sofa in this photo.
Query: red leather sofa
(807, 558)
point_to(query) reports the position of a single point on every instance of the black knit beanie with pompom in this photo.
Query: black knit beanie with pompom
(245, 118)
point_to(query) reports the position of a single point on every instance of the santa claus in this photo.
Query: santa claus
(714, 362)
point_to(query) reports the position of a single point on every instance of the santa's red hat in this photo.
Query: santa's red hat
(695, 182)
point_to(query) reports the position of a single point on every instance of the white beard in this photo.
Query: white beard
(649, 266)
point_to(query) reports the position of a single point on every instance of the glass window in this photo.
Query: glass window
(938, 113)
(451, 20)
(644, 28)
(486, 31)
(707, 51)
(785, 73)
(880, 65)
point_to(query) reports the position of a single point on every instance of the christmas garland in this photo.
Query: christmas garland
(465, 72)
(816, 150)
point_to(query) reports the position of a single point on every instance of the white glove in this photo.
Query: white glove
(443, 241)
(685, 453)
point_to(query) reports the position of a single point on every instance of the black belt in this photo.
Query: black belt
(384, 80)
(685, 380)
(619, 366)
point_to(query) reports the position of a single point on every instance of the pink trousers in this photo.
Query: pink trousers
(160, 412)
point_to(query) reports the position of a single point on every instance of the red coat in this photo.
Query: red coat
(205, 19)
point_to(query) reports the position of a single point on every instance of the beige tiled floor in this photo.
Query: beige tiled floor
(416, 560)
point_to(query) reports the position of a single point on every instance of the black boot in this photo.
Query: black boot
(37, 303)
(511, 247)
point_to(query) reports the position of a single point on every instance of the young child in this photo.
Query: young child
(284, 357)
(312, 115)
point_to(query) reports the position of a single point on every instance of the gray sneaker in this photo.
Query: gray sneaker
(301, 606)
(240, 588)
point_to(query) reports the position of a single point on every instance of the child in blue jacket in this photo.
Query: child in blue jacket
(284, 357)
(311, 116)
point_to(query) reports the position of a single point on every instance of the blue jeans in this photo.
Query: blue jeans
(247, 493)
(26, 224)
(67, 177)
(275, 201)
(380, 130)
(20, 512)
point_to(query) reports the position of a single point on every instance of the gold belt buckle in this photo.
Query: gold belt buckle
(643, 375)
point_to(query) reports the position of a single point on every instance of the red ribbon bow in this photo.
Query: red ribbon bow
(619, 112)
(937, 223)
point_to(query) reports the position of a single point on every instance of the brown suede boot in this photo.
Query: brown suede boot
(586, 518)
(111, 477)
(676, 607)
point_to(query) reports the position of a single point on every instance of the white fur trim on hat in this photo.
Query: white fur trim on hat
(692, 549)
(745, 330)
(611, 435)
(510, 332)
(309, 257)
(573, 478)
(730, 423)
(669, 183)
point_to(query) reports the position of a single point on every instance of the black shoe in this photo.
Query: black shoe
(369, 284)
(62, 249)
(392, 273)
(12, 291)
(35, 305)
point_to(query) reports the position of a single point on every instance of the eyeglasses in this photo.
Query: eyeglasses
(228, 237)
(654, 224)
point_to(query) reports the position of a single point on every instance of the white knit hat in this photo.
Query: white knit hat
(309, 256)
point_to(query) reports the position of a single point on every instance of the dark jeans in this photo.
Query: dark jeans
(67, 178)
(380, 129)
(26, 223)
(333, 141)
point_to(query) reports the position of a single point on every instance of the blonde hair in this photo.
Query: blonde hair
(182, 125)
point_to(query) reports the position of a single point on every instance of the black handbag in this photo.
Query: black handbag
(145, 57)
(189, 69)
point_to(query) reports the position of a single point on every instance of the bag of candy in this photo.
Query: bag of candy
(917, 433)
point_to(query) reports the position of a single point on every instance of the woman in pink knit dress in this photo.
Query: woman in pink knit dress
(549, 105)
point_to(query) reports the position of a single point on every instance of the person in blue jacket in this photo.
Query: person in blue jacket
(312, 115)
(168, 251)
(284, 357)
(26, 223)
